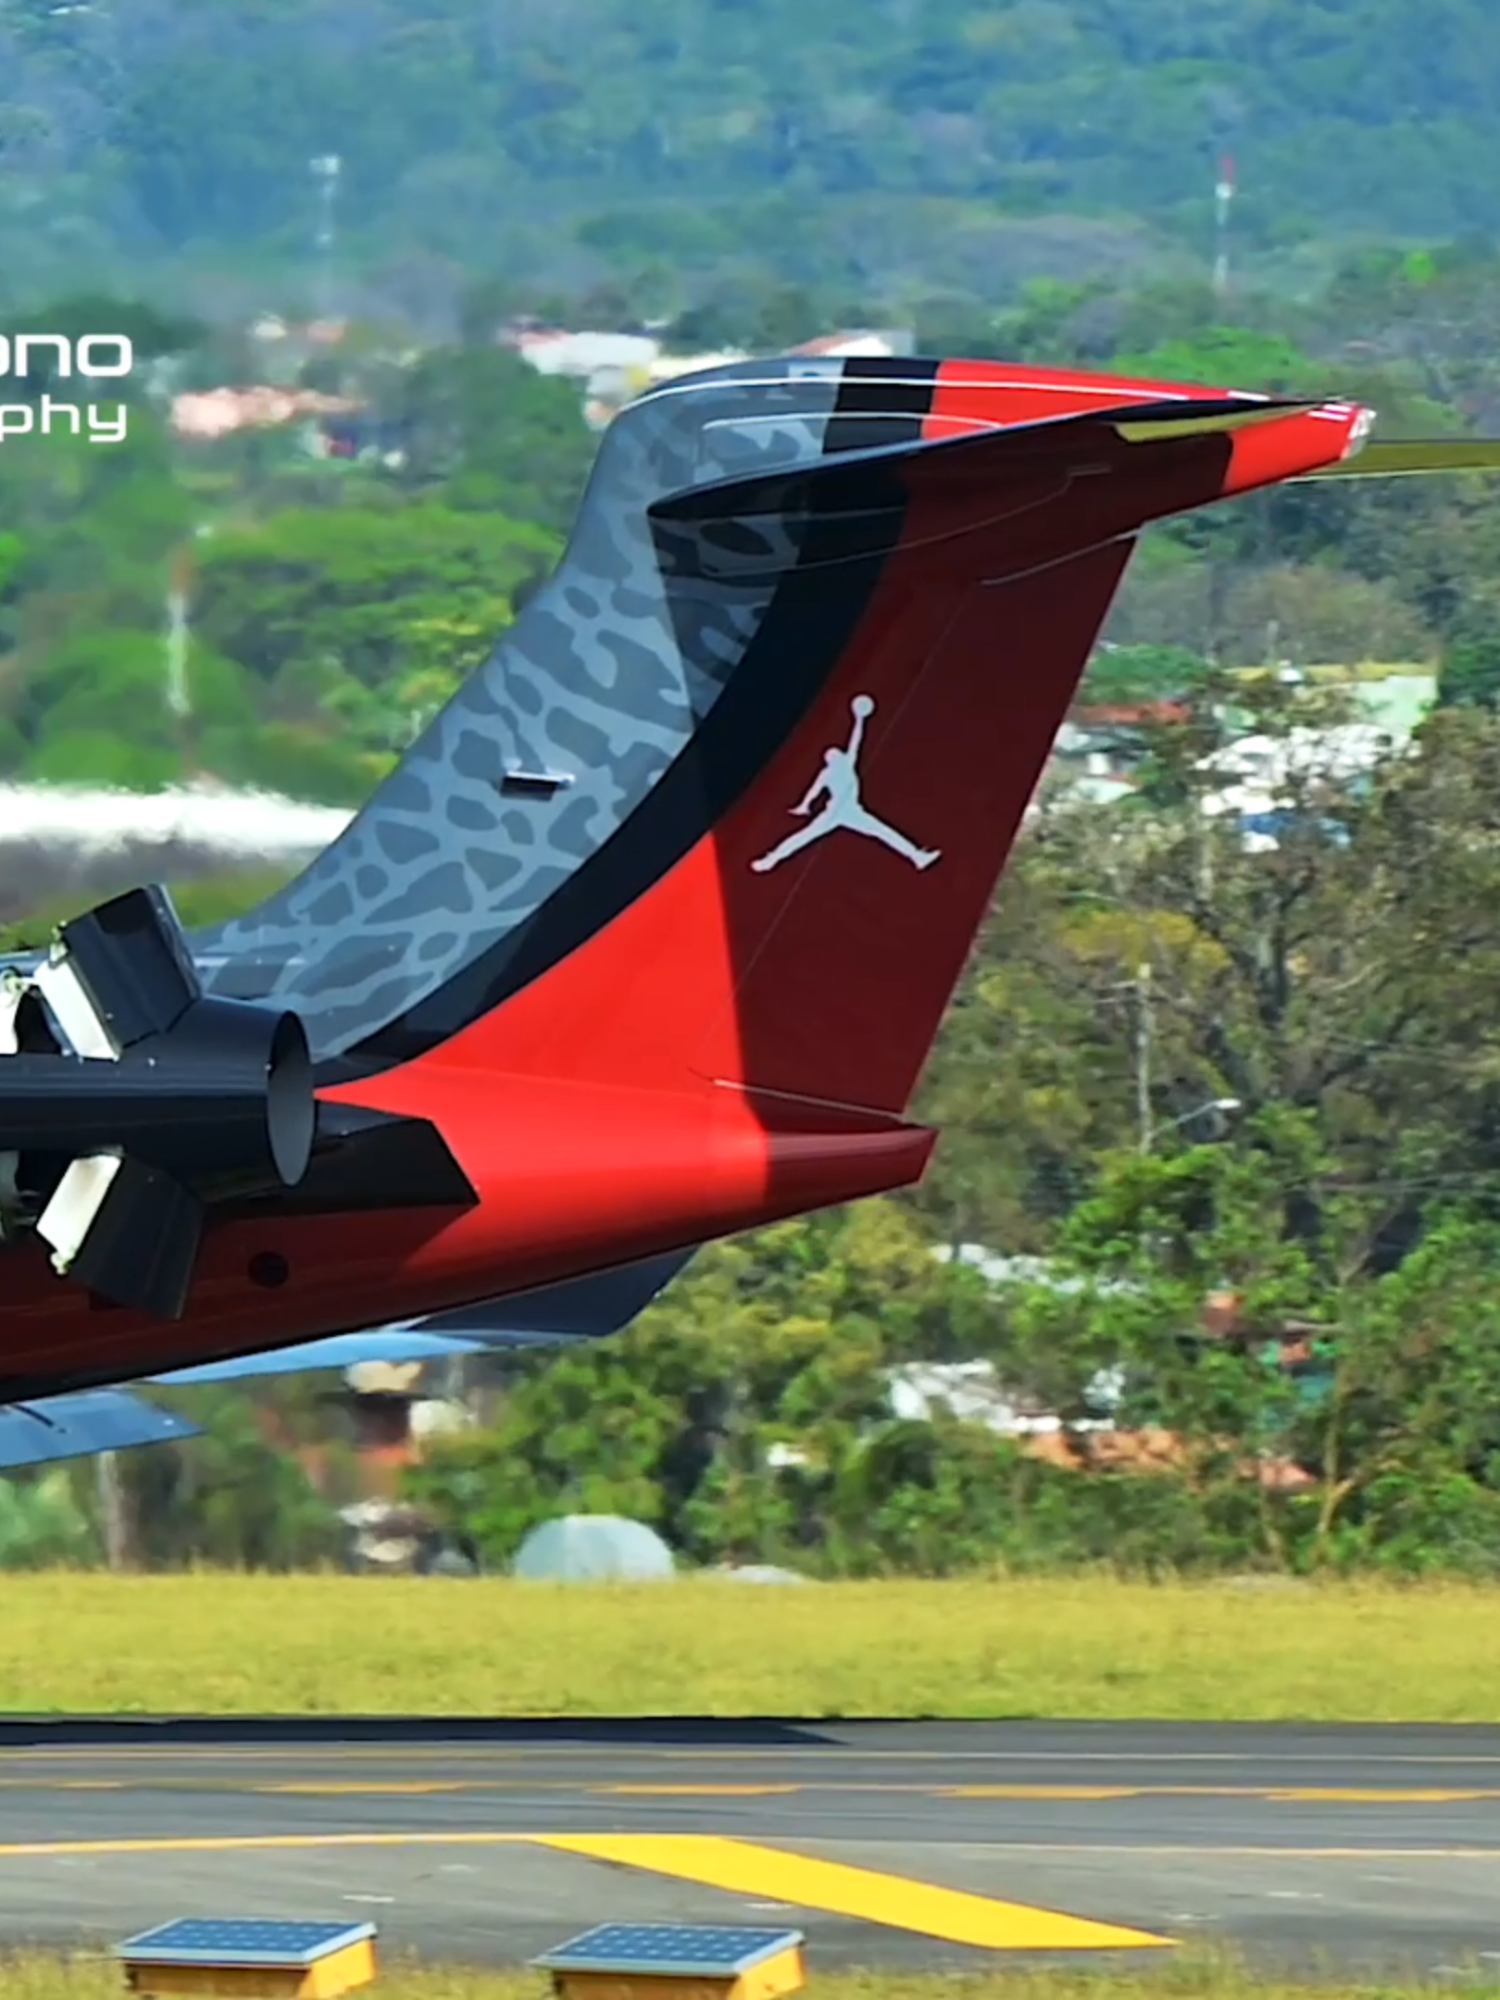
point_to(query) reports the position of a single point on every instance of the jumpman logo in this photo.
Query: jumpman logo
(838, 783)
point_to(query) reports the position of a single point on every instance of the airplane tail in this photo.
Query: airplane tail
(649, 938)
(788, 913)
(652, 679)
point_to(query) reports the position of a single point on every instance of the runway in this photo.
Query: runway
(921, 1844)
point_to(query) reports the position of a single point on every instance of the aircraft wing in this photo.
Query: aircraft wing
(85, 1422)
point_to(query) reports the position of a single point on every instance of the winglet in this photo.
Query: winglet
(850, 483)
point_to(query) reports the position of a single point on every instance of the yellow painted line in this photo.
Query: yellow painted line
(244, 1843)
(1266, 1851)
(1038, 1792)
(698, 1791)
(1365, 1796)
(439, 1750)
(593, 1845)
(1280, 1794)
(23, 1769)
(776, 1876)
(395, 1787)
(823, 1752)
(331, 1788)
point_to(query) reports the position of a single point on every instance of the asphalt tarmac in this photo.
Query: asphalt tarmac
(919, 1844)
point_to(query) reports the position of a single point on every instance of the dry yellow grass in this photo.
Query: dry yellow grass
(1178, 1979)
(238, 1645)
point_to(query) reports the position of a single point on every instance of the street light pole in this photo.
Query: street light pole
(1148, 1131)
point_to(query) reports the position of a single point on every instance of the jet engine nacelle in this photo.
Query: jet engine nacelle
(130, 1103)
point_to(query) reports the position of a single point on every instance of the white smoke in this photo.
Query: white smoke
(60, 841)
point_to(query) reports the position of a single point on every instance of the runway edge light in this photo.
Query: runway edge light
(676, 1962)
(249, 1958)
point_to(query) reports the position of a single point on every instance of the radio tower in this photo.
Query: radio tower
(326, 169)
(1223, 202)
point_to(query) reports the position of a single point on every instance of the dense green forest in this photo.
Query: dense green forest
(884, 146)
(333, 608)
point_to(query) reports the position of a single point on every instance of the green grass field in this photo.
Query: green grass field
(1182, 1979)
(237, 1645)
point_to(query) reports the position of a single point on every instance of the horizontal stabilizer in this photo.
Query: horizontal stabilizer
(581, 1309)
(341, 1350)
(78, 1425)
(1401, 458)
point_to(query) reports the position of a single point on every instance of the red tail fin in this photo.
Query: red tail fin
(808, 944)
(850, 921)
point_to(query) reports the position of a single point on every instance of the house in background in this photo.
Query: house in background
(1101, 745)
(613, 368)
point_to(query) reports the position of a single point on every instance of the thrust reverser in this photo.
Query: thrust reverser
(131, 1104)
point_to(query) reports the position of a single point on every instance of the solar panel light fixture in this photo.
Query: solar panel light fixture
(676, 1962)
(250, 1958)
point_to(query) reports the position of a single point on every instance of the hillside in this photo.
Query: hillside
(884, 143)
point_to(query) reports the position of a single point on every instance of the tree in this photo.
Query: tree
(777, 1341)
(1343, 973)
(1470, 674)
(1399, 1447)
(230, 1498)
(362, 621)
(1143, 673)
(491, 434)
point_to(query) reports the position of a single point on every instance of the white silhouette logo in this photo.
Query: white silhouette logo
(838, 782)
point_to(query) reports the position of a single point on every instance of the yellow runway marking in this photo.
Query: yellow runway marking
(699, 1791)
(1304, 1796)
(245, 1843)
(1347, 1795)
(1038, 1792)
(892, 1900)
(236, 1843)
(380, 1788)
(395, 1787)
(737, 1866)
(804, 1752)
(1266, 1851)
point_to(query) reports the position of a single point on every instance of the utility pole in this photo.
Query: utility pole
(178, 688)
(1143, 1025)
(177, 637)
(114, 1510)
(1223, 202)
